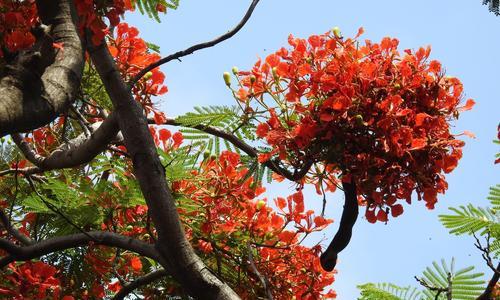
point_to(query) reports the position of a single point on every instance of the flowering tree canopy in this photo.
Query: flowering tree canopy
(103, 195)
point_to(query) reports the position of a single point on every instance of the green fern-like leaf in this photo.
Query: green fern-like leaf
(469, 219)
(494, 197)
(216, 116)
(220, 117)
(465, 285)
(388, 291)
(149, 7)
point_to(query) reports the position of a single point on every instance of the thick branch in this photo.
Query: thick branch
(180, 259)
(197, 47)
(139, 282)
(41, 82)
(76, 152)
(343, 236)
(486, 295)
(13, 231)
(18, 253)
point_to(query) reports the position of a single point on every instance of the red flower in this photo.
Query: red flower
(135, 263)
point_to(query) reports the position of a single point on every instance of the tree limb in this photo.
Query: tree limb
(78, 151)
(487, 294)
(197, 47)
(343, 236)
(24, 253)
(139, 282)
(181, 261)
(41, 82)
(12, 231)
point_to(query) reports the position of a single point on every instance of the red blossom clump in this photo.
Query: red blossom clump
(132, 55)
(30, 280)
(16, 21)
(359, 109)
(223, 217)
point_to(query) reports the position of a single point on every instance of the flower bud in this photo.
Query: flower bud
(359, 119)
(253, 79)
(235, 70)
(260, 204)
(227, 78)
(275, 72)
(336, 32)
(148, 75)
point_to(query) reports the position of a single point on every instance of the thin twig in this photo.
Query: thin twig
(249, 150)
(485, 251)
(196, 47)
(437, 289)
(55, 209)
(263, 279)
(141, 281)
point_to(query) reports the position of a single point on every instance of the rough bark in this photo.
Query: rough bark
(76, 152)
(180, 260)
(39, 84)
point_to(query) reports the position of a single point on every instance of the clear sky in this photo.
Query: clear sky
(464, 36)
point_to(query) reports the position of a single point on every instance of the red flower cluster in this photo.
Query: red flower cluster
(132, 55)
(91, 13)
(30, 280)
(221, 212)
(16, 20)
(297, 262)
(166, 139)
(366, 111)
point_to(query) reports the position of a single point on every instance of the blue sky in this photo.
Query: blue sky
(463, 36)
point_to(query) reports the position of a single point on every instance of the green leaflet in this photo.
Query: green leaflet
(477, 220)
(470, 219)
(148, 7)
(222, 118)
(388, 291)
(465, 285)
(494, 197)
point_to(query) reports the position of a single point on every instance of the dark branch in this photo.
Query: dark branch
(18, 253)
(139, 282)
(42, 81)
(263, 279)
(249, 150)
(486, 295)
(343, 236)
(196, 47)
(436, 289)
(12, 231)
(485, 251)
